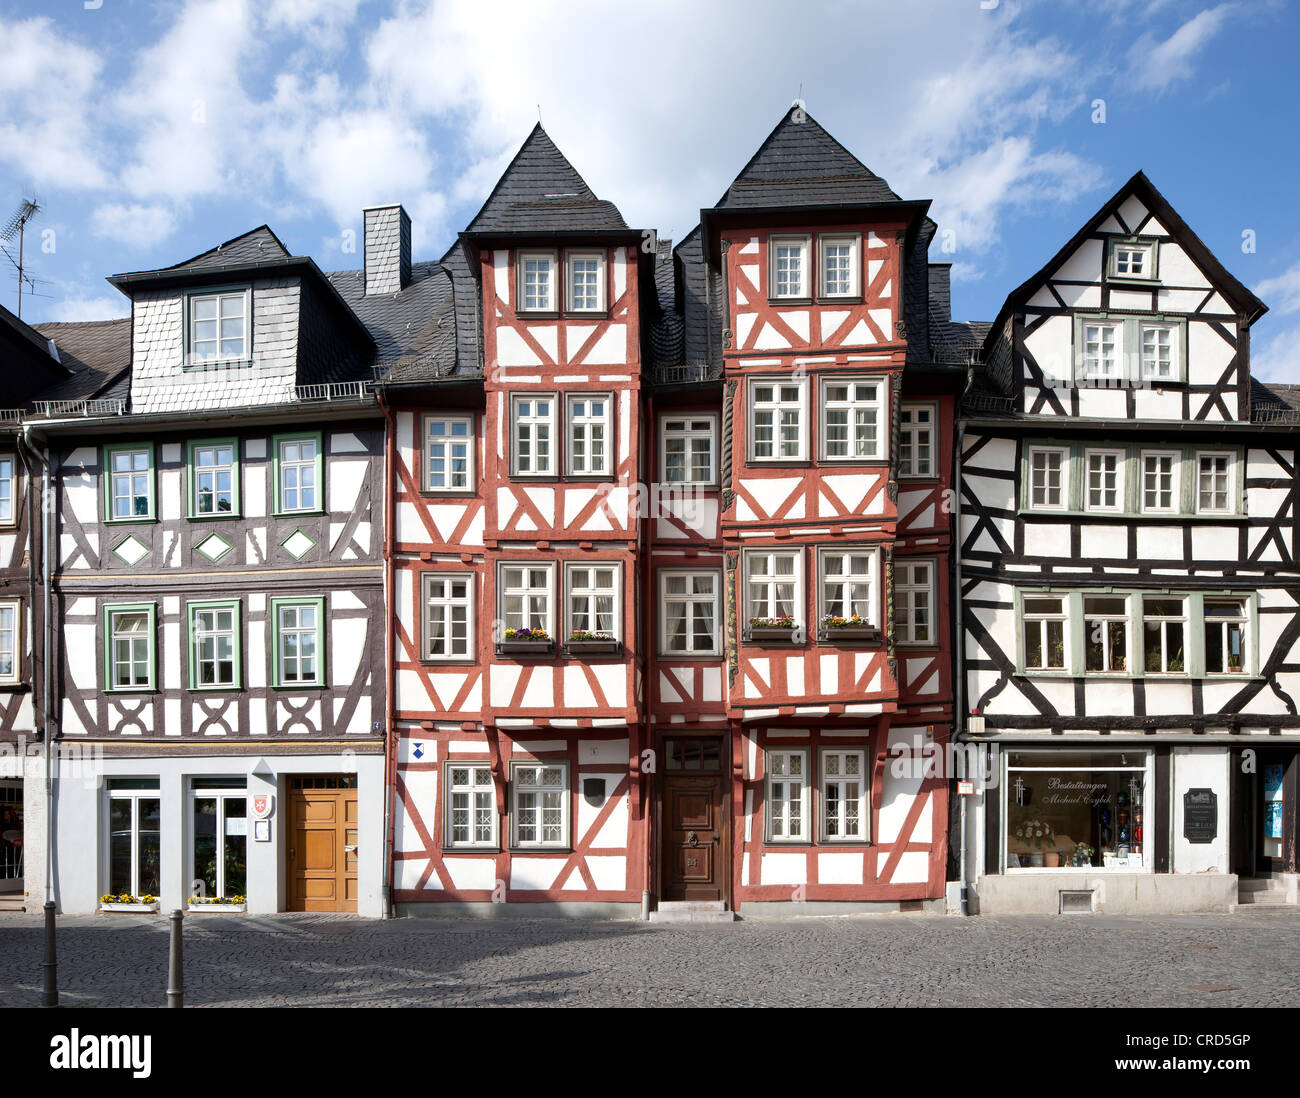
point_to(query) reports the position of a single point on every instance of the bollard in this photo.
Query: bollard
(50, 967)
(175, 967)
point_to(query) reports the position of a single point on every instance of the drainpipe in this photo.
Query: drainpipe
(959, 642)
(390, 671)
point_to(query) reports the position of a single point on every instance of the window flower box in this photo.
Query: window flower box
(123, 901)
(854, 630)
(228, 905)
(771, 631)
(525, 642)
(582, 643)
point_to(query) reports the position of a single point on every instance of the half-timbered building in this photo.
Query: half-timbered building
(1129, 593)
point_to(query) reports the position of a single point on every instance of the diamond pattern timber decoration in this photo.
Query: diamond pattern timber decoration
(214, 547)
(298, 544)
(131, 550)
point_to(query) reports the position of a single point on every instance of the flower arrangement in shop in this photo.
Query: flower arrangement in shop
(1036, 833)
(196, 900)
(127, 898)
(785, 622)
(527, 635)
(1083, 854)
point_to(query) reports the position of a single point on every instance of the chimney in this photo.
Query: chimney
(388, 249)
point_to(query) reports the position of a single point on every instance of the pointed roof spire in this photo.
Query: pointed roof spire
(541, 191)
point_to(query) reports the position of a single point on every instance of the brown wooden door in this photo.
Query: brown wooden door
(694, 840)
(322, 862)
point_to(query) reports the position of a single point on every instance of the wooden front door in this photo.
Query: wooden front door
(322, 862)
(694, 834)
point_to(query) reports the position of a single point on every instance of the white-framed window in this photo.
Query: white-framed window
(130, 638)
(850, 584)
(1164, 635)
(839, 266)
(1046, 625)
(1160, 487)
(299, 460)
(10, 641)
(786, 796)
(134, 837)
(299, 636)
(1049, 478)
(1226, 624)
(536, 289)
(1215, 491)
(777, 419)
(214, 469)
(219, 327)
(688, 613)
(789, 266)
(594, 598)
(688, 449)
(589, 419)
(471, 805)
(8, 489)
(844, 801)
(774, 585)
(586, 282)
(853, 418)
(1159, 349)
(449, 453)
(527, 593)
(1103, 488)
(218, 864)
(540, 809)
(214, 646)
(1132, 259)
(1103, 350)
(1105, 634)
(916, 440)
(449, 615)
(914, 600)
(130, 482)
(534, 434)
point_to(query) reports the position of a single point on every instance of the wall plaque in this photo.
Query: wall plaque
(1200, 815)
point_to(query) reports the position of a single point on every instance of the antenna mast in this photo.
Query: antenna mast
(17, 225)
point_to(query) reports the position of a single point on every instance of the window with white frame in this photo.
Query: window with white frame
(789, 266)
(540, 809)
(1103, 488)
(787, 801)
(1159, 345)
(1226, 621)
(134, 837)
(843, 796)
(1045, 629)
(853, 412)
(526, 594)
(448, 616)
(10, 655)
(594, 602)
(471, 805)
(1160, 488)
(219, 327)
(213, 469)
(1103, 350)
(586, 282)
(218, 865)
(1105, 634)
(850, 584)
(299, 459)
(8, 487)
(537, 282)
(449, 453)
(130, 638)
(299, 631)
(773, 584)
(914, 599)
(688, 608)
(131, 482)
(589, 433)
(214, 643)
(1164, 631)
(1129, 259)
(688, 449)
(534, 434)
(916, 457)
(1214, 487)
(839, 265)
(1049, 471)
(777, 420)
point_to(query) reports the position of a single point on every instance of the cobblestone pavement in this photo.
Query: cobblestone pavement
(881, 960)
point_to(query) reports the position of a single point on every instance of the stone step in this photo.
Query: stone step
(1270, 908)
(11, 901)
(692, 911)
(1260, 884)
(1261, 897)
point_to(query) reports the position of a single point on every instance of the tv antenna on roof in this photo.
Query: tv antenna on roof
(17, 226)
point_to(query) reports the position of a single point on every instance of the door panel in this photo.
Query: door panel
(322, 856)
(694, 865)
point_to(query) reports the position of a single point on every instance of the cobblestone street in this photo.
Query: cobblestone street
(890, 960)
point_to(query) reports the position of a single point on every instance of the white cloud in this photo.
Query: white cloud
(1276, 356)
(1157, 65)
(135, 224)
(1284, 289)
(85, 307)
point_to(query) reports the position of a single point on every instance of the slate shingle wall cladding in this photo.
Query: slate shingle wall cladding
(161, 382)
(388, 250)
(328, 351)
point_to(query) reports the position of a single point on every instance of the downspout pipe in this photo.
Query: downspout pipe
(959, 644)
(390, 672)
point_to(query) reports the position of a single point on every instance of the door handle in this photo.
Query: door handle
(351, 849)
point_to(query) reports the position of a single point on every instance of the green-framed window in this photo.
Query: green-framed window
(213, 465)
(130, 483)
(298, 467)
(297, 643)
(215, 645)
(1120, 350)
(1133, 259)
(130, 647)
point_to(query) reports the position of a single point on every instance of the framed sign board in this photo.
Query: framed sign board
(1200, 815)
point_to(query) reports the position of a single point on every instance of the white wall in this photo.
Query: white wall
(1201, 768)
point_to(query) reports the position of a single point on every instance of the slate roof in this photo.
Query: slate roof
(254, 246)
(540, 191)
(1274, 403)
(98, 352)
(800, 164)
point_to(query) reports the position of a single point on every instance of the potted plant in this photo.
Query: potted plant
(124, 901)
(855, 628)
(1036, 834)
(525, 642)
(223, 904)
(1083, 854)
(583, 642)
(771, 630)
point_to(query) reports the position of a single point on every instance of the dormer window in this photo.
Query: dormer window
(586, 282)
(537, 282)
(218, 327)
(1133, 259)
(789, 263)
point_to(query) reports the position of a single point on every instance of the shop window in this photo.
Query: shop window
(219, 851)
(134, 837)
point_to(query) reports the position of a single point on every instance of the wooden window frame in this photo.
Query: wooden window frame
(1063, 452)
(805, 295)
(107, 614)
(192, 474)
(275, 605)
(777, 406)
(799, 597)
(824, 780)
(855, 291)
(1233, 473)
(1184, 619)
(904, 625)
(1121, 480)
(16, 677)
(664, 574)
(687, 434)
(470, 602)
(873, 578)
(473, 789)
(853, 405)
(564, 843)
(552, 308)
(14, 481)
(616, 632)
(551, 594)
(1176, 484)
(107, 476)
(552, 421)
(805, 836)
(279, 465)
(471, 439)
(611, 438)
(1149, 244)
(914, 429)
(218, 292)
(1024, 618)
(192, 609)
(601, 309)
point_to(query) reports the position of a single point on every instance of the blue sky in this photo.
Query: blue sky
(152, 131)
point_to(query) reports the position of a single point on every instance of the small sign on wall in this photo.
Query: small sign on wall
(261, 831)
(1200, 815)
(263, 805)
